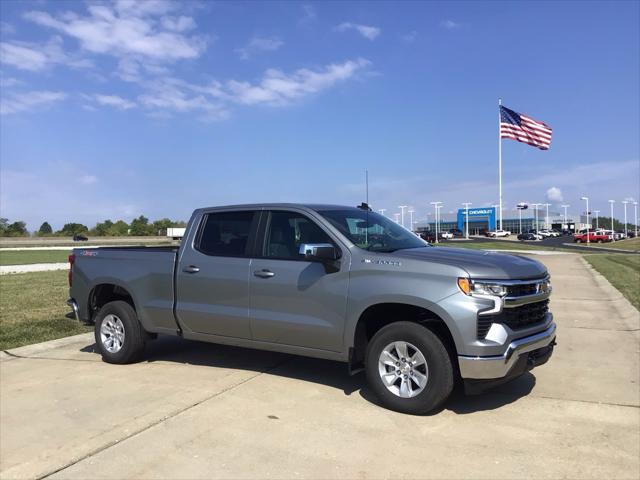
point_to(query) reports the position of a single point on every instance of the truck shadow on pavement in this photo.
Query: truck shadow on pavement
(323, 372)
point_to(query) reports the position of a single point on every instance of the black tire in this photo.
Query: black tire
(133, 344)
(440, 378)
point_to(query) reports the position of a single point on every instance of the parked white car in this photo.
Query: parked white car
(545, 233)
(499, 233)
(446, 235)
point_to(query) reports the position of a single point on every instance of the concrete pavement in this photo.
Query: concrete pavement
(195, 410)
(32, 267)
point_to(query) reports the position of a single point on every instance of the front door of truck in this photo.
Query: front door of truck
(212, 288)
(294, 301)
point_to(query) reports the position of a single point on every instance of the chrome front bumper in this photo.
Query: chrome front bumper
(499, 366)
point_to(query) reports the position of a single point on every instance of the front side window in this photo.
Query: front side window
(372, 231)
(226, 234)
(287, 231)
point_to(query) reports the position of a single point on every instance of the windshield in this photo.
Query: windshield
(372, 231)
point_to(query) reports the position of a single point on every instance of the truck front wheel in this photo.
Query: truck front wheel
(409, 368)
(118, 333)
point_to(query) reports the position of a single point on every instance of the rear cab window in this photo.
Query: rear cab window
(227, 234)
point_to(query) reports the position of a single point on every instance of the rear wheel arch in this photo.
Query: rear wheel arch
(103, 293)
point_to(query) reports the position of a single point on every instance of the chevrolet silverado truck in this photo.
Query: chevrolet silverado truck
(326, 281)
(592, 237)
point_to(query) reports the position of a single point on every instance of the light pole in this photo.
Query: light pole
(466, 223)
(402, 207)
(635, 216)
(396, 218)
(382, 210)
(546, 218)
(565, 216)
(411, 212)
(436, 206)
(624, 202)
(521, 206)
(586, 199)
(597, 224)
(535, 216)
(611, 202)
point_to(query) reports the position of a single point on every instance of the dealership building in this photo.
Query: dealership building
(482, 219)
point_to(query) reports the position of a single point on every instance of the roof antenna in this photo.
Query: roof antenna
(365, 205)
(366, 182)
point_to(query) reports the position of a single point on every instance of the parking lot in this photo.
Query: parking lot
(195, 410)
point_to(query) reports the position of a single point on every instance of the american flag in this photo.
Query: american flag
(524, 129)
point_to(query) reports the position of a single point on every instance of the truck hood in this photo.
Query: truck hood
(479, 264)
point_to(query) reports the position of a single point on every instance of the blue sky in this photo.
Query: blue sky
(116, 109)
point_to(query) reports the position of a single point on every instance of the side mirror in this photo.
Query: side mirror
(318, 252)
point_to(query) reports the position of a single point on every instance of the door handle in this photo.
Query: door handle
(191, 269)
(264, 273)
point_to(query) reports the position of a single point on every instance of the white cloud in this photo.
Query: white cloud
(554, 194)
(88, 179)
(278, 88)
(7, 28)
(367, 31)
(178, 24)
(449, 24)
(169, 95)
(6, 82)
(127, 28)
(114, 101)
(36, 57)
(28, 101)
(259, 44)
(410, 37)
(308, 14)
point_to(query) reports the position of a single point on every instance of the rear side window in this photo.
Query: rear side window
(225, 234)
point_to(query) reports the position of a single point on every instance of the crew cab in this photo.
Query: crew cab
(333, 282)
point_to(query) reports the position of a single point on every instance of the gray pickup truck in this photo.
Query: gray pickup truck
(327, 281)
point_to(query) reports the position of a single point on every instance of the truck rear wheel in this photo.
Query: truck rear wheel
(118, 333)
(409, 368)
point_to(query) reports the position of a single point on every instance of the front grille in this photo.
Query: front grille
(522, 289)
(515, 318)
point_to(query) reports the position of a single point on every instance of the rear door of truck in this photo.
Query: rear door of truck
(212, 278)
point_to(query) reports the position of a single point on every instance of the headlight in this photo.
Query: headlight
(470, 287)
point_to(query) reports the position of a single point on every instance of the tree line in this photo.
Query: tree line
(605, 223)
(139, 227)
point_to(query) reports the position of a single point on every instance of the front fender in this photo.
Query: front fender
(357, 310)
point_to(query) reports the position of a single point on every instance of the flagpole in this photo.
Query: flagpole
(499, 165)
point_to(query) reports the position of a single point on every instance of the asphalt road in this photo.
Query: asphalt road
(564, 242)
(194, 410)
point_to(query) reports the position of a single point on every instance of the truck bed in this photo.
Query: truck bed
(146, 272)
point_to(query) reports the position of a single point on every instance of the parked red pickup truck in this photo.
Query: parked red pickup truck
(593, 237)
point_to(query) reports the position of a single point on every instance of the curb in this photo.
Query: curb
(33, 267)
(37, 348)
(623, 307)
(598, 248)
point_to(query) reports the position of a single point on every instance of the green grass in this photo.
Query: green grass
(32, 309)
(24, 257)
(630, 244)
(622, 271)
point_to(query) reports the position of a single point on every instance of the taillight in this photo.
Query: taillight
(72, 259)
